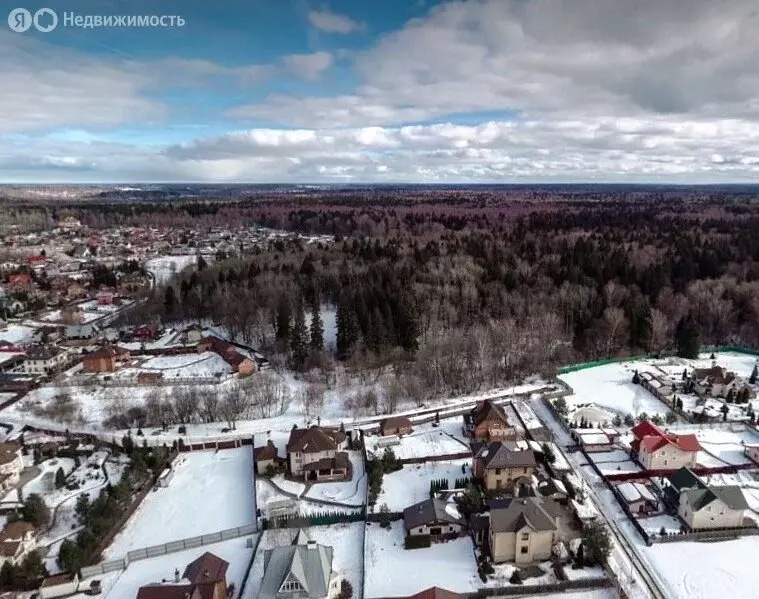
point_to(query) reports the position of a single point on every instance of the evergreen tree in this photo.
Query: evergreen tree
(60, 478)
(169, 300)
(316, 341)
(754, 375)
(282, 324)
(636, 378)
(298, 341)
(35, 511)
(688, 338)
(347, 327)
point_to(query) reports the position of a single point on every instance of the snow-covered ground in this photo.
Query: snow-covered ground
(392, 571)
(125, 584)
(17, 333)
(210, 491)
(421, 443)
(183, 365)
(351, 492)
(654, 524)
(347, 541)
(165, 267)
(412, 484)
(265, 493)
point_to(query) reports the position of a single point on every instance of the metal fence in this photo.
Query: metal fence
(166, 548)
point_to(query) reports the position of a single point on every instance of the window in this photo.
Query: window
(290, 586)
(523, 550)
(525, 536)
(497, 471)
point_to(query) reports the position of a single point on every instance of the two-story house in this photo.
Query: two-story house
(44, 360)
(524, 531)
(204, 578)
(502, 465)
(657, 450)
(488, 422)
(17, 539)
(314, 453)
(302, 570)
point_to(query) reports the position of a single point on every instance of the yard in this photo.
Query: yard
(412, 484)
(392, 571)
(351, 492)
(422, 443)
(211, 491)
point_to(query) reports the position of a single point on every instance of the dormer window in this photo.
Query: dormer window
(290, 586)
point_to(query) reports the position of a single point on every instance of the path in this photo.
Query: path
(302, 496)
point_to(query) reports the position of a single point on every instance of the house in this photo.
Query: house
(704, 507)
(266, 458)
(751, 451)
(302, 570)
(44, 359)
(594, 440)
(314, 454)
(81, 331)
(59, 585)
(146, 333)
(20, 283)
(503, 466)
(638, 497)
(193, 334)
(656, 385)
(106, 359)
(17, 539)
(105, 298)
(433, 517)
(718, 382)
(398, 425)
(204, 578)
(10, 360)
(524, 531)
(657, 450)
(488, 422)
(240, 363)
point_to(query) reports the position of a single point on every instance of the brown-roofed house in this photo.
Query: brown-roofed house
(204, 578)
(17, 539)
(397, 425)
(240, 363)
(106, 359)
(314, 454)
(503, 465)
(266, 458)
(488, 422)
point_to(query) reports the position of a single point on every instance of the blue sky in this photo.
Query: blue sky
(391, 90)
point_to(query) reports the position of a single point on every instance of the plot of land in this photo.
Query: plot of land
(347, 541)
(412, 484)
(654, 524)
(422, 444)
(126, 584)
(392, 571)
(210, 491)
(165, 267)
(351, 492)
(186, 365)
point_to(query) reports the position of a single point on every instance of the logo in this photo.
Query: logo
(44, 20)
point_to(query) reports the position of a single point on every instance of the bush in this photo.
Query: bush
(516, 577)
(346, 590)
(417, 542)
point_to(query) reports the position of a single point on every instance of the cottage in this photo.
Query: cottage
(240, 363)
(704, 507)
(266, 459)
(314, 454)
(488, 422)
(657, 385)
(433, 517)
(17, 539)
(657, 450)
(44, 359)
(303, 570)
(106, 359)
(718, 382)
(59, 585)
(524, 531)
(204, 578)
(594, 440)
(398, 425)
(503, 466)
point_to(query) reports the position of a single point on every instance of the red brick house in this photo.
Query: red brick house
(240, 363)
(105, 359)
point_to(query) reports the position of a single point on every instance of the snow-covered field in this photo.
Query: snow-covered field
(412, 484)
(654, 524)
(125, 585)
(184, 365)
(351, 492)
(392, 571)
(266, 493)
(16, 333)
(165, 267)
(347, 541)
(421, 444)
(211, 491)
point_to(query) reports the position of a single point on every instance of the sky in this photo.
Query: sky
(340, 91)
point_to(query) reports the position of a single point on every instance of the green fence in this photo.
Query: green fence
(720, 348)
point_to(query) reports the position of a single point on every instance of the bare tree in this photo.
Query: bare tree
(312, 400)
(209, 404)
(233, 404)
(186, 401)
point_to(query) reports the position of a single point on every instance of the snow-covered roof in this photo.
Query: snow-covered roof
(629, 492)
(594, 439)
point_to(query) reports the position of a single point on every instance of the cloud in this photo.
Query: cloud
(308, 66)
(330, 22)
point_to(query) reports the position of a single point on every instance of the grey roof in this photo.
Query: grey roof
(732, 496)
(505, 455)
(685, 478)
(429, 511)
(530, 512)
(305, 561)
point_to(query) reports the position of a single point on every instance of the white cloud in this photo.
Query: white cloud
(330, 22)
(308, 66)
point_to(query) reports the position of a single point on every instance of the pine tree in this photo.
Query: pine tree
(282, 324)
(754, 375)
(316, 341)
(298, 343)
(688, 338)
(60, 478)
(169, 301)
(347, 327)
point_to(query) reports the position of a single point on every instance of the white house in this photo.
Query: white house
(657, 450)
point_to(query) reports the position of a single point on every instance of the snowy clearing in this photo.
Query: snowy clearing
(412, 484)
(165, 267)
(211, 491)
(350, 492)
(422, 444)
(392, 571)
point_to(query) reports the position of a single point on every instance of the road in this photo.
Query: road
(636, 578)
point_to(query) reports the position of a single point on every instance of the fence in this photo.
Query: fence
(313, 520)
(706, 535)
(243, 584)
(85, 381)
(438, 458)
(166, 548)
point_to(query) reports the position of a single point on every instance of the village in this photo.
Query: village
(162, 461)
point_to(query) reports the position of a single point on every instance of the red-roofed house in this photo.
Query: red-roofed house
(657, 450)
